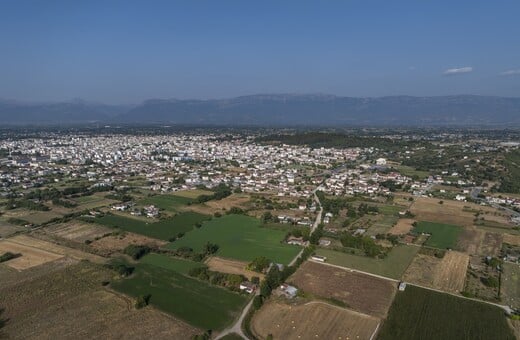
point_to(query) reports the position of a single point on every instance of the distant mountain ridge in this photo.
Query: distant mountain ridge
(280, 109)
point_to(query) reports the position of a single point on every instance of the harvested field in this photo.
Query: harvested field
(511, 239)
(231, 267)
(116, 243)
(310, 321)
(31, 257)
(450, 274)
(360, 292)
(78, 231)
(403, 226)
(72, 304)
(34, 243)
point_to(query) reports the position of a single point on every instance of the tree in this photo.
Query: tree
(142, 301)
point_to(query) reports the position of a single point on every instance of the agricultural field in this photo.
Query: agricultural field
(194, 301)
(7, 229)
(36, 252)
(510, 285)
(78, 231)
(170, 203)
(241, 238)
(392, 266)
(511, 239)
(117, 242)
(162, 230)
(402, 227)
(313, 320)
(455, 212)
(235, 200)
(171, 263)
(93, 201)
(417, 313)
(193, 193)
(50, 305)
(446, 274)
(231, 267)
(442, 236)
(30, 257)
(363, 293)
(34, 217)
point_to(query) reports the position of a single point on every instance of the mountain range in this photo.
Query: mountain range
(277, 110)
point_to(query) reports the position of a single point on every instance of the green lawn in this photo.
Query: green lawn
(194, 301)
(419, 313)
(443, 236)
(166, 202)
(240, 237)
(171, 263)
(392, 266)
(163, 230)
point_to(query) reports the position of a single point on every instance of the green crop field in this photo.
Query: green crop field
(443, 236)
(240, 237)
(163, 230)
(172, 263)
(194, 301)
(166, 202)
(419, 313)
(393, 265)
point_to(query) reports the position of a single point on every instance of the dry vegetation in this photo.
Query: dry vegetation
(231, 267)
(30, 257)
(211, 207)
(310, 321)
(363, 293)
(78, 231)
(446, 274)
(49, 307)
(402, 227)
(116, 243)
(512, 239)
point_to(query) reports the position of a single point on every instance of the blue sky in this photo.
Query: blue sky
(127, 51)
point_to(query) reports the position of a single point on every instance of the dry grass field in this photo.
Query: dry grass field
(421, 270)
(31, 257)
(360, 292)
(231, 267)
(36, 244)
(511, 239)
(470, 239)
(211, 207)
(314, 320)
(72, 304)
(34, 217)
(7, 229)
(491, 244)
(116, 243)
(450, 274)
(78, 231)
(403, 226)
(192, 193)
(447, 274)
(454, 212)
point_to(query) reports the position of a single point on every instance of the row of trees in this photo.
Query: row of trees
(364, 243)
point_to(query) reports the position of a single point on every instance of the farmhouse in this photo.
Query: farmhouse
(402, 286)
(247, 286)
(288, 290)
(298, 241)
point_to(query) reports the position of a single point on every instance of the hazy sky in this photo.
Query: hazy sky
(127, 51)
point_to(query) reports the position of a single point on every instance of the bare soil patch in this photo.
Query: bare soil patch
(311, 321)
(231, 267)
(72, 304)
(116, 243)
(360, 292)
(491, 244)
(403, 226)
